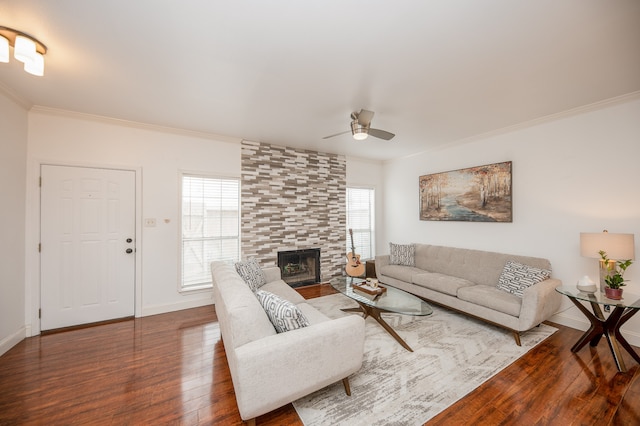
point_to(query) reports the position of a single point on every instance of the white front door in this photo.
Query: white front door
(87, 258)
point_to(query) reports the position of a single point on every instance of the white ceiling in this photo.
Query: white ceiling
(290, 72)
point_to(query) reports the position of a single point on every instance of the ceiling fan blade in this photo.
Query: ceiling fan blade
(337, 134)
(364, 117)
(382, 134)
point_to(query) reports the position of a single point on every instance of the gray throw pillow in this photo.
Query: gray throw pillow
(516, 277)
(284, 315)
(251, 273)
(400, 254)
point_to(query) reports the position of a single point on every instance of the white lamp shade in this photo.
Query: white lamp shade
(24, 49)
(4, 49)
(617, 246)
(36, 66)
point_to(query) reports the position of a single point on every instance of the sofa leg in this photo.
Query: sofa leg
(516, 335)
(347, 388)
(250, 422)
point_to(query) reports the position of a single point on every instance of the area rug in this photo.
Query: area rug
(453, 355)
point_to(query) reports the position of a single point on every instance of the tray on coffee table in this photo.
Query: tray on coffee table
(365, 287)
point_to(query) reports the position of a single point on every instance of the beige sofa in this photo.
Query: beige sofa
(466, 281)
(270, 369)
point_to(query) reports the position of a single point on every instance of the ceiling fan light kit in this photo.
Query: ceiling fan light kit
(361, 127)
(359, 131)
(26, 49)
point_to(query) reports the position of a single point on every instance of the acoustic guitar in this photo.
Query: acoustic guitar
(354, 267)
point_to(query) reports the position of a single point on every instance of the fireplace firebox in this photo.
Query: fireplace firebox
(300, 267)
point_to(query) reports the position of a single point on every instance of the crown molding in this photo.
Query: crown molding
(5, 90)
(133, 124)
(628, 97)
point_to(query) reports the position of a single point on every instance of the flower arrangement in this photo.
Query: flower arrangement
(615, 276)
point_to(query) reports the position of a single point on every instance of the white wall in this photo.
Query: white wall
(13, 160)
(576, 173)
(158, 156)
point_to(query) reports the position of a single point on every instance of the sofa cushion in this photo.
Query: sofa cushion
(402, 254)
(239, 312)
(284, 290)
(284, 315)
(478, 266)
(271, 273)
(441, 283)
(516, 277)
(251, 273)
(313, 315)
(402, 273)
(492, 298)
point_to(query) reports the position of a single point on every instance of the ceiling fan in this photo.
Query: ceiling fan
(361, 127)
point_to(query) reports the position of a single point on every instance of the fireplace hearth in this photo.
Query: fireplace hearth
(300, 267)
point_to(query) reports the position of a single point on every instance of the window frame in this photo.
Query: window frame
(372, 220)
(202, 286)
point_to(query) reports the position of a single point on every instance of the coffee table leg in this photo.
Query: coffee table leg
(359, 310)
(375, 314)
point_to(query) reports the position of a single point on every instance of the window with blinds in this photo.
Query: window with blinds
(210, 227)
(360, 219)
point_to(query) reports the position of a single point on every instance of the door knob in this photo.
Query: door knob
(129, 250)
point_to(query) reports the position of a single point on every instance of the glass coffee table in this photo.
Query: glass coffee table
(393, 300)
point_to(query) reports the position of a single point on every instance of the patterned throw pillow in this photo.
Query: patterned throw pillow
(251, 273)
(516, 277)
(402, 254)
(284, 315)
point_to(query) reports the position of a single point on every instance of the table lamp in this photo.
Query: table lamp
(617, 247)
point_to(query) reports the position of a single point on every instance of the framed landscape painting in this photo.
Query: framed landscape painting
(476, 194)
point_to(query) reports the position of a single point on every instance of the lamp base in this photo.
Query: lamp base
(605, 270)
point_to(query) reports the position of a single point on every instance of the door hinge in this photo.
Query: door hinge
(40, 313)
(39, 247)
(40, 181)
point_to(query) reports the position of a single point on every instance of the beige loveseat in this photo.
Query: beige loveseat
(271, 369)
(467, 281)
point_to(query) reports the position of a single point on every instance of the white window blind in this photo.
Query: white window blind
(360, 219)
(210, 227)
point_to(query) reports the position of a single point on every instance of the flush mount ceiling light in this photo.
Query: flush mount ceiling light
(26, 49)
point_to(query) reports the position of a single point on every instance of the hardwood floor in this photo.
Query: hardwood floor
(172, 369)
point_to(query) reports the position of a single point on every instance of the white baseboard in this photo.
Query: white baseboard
(172, 307)
(570, 321)
(12, 340)
(26, 331)
(583, 324)
(632, 337)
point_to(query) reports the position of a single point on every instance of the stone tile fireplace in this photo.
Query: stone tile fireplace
(300, 267)
(293, 199)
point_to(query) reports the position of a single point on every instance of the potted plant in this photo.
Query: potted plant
(615, 276)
